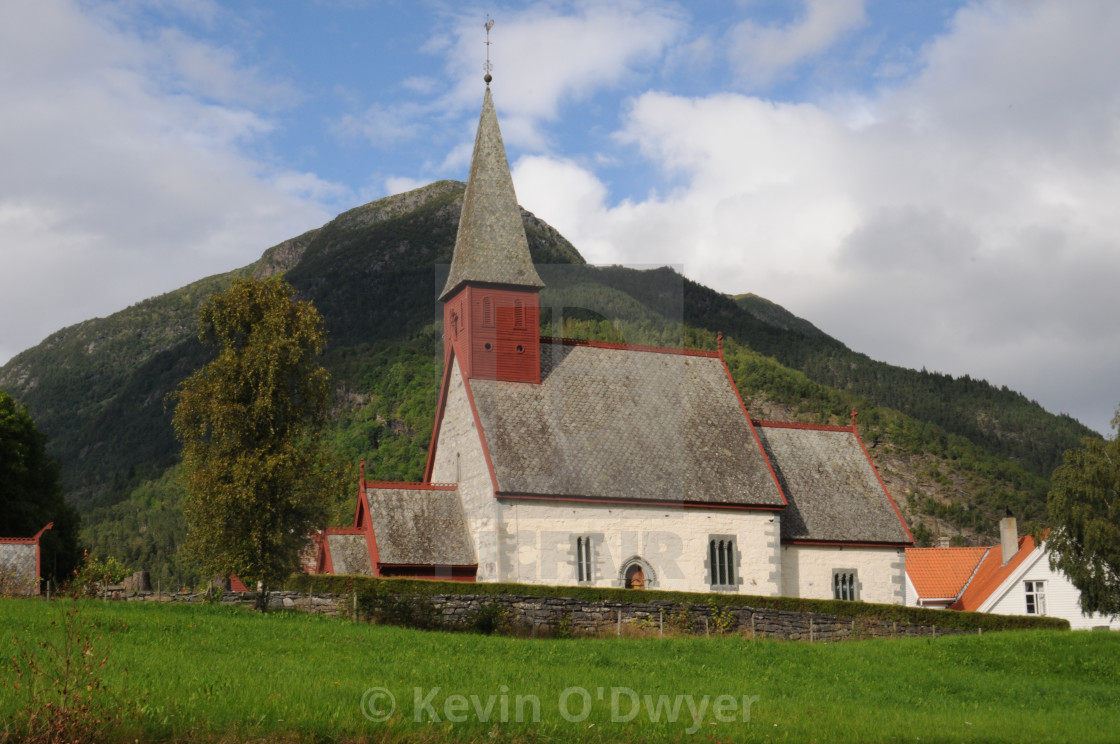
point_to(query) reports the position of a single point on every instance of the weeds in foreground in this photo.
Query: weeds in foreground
(59, 678)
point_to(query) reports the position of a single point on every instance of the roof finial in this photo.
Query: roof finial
(488, 68)
(854, 414)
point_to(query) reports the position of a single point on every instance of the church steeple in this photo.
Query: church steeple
(491, 246)
(491, 308)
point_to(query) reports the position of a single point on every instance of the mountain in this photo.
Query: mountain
(956, 452)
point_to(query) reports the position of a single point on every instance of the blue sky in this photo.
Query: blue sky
(933, 183)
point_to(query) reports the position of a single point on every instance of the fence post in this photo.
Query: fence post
(620, 622)
(661, 631)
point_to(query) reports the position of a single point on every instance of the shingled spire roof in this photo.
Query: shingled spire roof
(490, 246)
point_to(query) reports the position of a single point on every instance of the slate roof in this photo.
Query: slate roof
(942, 573)
(419, 527)
(349, 554)
(617, 423)
(834, 492)
(490, 246)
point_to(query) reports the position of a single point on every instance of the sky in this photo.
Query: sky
(934, 183)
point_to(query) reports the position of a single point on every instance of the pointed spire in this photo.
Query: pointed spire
(491, 246)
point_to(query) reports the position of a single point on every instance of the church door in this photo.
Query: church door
(635, 577)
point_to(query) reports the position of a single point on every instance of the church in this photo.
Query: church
(565, 462)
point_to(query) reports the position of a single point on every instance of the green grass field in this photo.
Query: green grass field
(220, 674)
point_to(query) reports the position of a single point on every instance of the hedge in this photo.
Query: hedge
(948, 619)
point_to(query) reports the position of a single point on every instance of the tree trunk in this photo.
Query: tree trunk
(261, 605)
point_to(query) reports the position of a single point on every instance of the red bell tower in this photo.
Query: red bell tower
(491, 311)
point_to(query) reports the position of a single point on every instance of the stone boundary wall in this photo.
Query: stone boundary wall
(567, 616)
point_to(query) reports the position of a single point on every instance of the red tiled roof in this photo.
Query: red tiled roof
(941, 573)
(991, 574)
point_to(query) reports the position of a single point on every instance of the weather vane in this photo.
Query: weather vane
(488, 68)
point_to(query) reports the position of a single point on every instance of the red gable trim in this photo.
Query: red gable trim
(875, 470)
(643, 502)
(444, 386)
(750, 425)
(410, 486)
(799, 425)
(33, 540)
(854, 429)
(842, 544)
(630, 347)
(481, 435)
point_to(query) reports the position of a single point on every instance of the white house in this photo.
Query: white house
(567, 462)
(1012, 578)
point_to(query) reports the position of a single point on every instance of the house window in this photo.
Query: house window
(845, 584)
(487, 312)
(583, 559)
(1036, 597)
(518, 314)
(721, 562)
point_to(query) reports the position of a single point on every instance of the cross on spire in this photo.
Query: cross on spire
(488, 68)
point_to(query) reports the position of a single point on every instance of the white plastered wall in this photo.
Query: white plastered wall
(807, 571)
(538, 544)
(459, 459)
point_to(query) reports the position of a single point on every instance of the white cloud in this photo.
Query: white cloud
(547, 54)
(124, 173)
(964, 221)
(762, 53)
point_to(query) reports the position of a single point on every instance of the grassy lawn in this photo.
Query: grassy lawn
(221, 674)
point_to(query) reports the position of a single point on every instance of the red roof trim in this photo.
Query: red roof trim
(643, 502)
(630, 347)
(799, 425)
(750, 425)
(410, 486)
(481, 435)
(875, 470)
(342, 531)
(430, 565)
(444, 386)
(842, 544)
(33, 540)
(853, 428)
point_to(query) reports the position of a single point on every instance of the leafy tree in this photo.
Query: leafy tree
(1084, 511)
(249, 422)
(30, 496)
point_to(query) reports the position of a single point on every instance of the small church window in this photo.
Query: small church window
(487, 312)
(721, 561)
(1036, 597)
(518, 314)
(583, 559)
(845, 584)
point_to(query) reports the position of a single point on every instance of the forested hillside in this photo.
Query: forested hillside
(956, 452)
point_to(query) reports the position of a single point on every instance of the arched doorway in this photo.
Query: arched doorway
(635, 577)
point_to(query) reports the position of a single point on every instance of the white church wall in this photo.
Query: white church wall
(807, 571)
(460, 459)
(539, 544)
